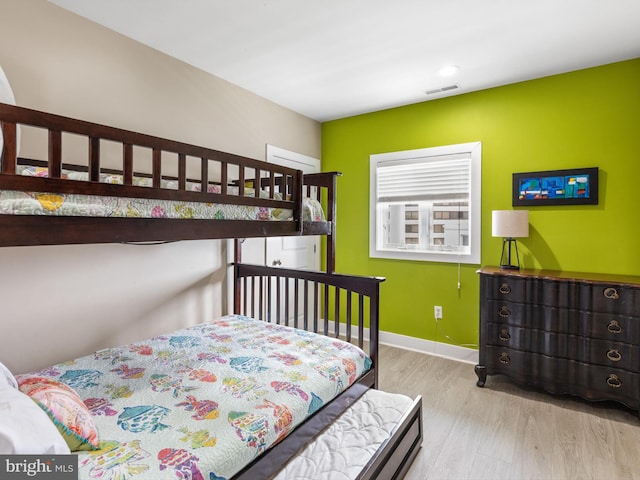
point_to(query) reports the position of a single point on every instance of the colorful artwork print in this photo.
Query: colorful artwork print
(559, 187)
(572, 186)
(203, 402)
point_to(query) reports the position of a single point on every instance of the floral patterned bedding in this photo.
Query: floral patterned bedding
(42, 203)
(204, 401)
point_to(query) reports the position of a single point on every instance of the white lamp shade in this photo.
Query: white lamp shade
(510, 223)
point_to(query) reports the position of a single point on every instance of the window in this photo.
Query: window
(425, 204)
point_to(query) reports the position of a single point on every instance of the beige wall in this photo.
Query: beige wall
(62, 302)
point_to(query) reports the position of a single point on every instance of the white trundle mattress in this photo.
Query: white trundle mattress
(343, 449)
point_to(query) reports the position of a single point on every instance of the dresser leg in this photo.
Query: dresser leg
(481, 372)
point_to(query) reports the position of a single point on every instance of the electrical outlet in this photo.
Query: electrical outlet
(437, 311)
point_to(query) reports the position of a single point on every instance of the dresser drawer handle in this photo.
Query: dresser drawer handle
(505, 288)
(504, 358)
(614, 327)
(613, 381)
(614, 355)
(504, 312)
(504, 335)
(611, 293)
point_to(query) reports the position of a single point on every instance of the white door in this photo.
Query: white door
(290, 252)
(299, 252)
(293, 252)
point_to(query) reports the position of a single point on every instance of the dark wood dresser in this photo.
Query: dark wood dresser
(565, 332)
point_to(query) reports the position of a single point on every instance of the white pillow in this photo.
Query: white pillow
(25, 428)
(6, 377)
(6, 96)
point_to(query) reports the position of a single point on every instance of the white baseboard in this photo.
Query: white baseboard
(453, 352)
(420, 345)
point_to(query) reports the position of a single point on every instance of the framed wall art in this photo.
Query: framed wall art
(578, 186)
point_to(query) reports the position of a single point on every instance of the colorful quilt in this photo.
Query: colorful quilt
(58, 204)
(204, 401)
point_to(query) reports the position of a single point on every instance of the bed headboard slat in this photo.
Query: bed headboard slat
(319, 296)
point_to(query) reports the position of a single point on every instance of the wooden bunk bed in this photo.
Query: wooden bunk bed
(280, 188)
(324, 303)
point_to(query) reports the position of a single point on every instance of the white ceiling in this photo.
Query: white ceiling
(331, 59)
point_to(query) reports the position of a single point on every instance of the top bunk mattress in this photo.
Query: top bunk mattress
(14, 202)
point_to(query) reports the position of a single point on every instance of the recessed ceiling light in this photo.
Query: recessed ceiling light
(448, 70)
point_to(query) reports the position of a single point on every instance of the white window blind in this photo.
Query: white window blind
(424, 179)
(425, 204)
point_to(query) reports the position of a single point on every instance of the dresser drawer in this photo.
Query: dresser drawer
(505, 288)
(615, 327)
(609, 298)
(526, 290)
(583, 349)
(562, 376)
(597, 297)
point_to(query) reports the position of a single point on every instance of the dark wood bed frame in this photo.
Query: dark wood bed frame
(339, 306)
(332, 304)
(229, 170)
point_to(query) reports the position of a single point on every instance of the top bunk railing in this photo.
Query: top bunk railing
(215, 167)
(76, 157)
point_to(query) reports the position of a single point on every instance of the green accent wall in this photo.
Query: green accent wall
(580, 119)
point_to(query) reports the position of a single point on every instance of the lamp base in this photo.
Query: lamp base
(506, 258)
(509, 267)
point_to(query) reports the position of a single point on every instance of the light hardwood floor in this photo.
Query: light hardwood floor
(506, 432)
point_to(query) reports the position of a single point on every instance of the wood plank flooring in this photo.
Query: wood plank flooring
(507, 432)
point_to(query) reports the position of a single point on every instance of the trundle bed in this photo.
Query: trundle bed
(281, 388)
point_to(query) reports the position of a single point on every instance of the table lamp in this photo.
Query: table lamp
(510, 224)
